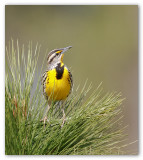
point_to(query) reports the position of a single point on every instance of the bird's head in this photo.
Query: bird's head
(56, 56)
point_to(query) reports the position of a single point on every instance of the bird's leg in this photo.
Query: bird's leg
(64, 115)
(64, 118)
(45, 118)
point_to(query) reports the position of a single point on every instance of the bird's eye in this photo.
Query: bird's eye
(57, 54)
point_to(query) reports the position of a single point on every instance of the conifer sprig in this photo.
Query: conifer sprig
(93, 123)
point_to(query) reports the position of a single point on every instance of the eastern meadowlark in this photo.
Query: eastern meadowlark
(57, 80)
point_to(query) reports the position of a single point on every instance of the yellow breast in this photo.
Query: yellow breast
(57, 89)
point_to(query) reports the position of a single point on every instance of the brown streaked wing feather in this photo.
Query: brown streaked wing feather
(70, 80)
(44, 77)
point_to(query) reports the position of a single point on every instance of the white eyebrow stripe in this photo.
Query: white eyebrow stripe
(53, 55)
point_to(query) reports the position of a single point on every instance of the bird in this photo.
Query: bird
(57, 80)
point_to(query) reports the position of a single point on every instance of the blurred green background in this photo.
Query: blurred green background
(104, 40)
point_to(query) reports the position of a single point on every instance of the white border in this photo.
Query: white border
(2, 71)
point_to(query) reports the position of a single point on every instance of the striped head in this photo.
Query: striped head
(56, 56)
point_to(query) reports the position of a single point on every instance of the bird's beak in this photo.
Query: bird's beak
(65, 49)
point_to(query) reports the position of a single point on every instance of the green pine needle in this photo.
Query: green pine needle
(93, 123)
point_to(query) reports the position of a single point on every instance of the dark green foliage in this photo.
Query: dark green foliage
(93, 123)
